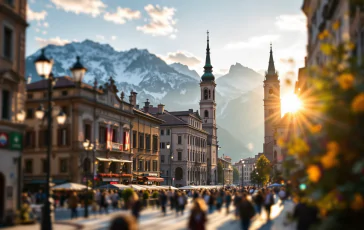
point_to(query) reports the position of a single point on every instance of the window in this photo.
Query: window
(8, 43)
(147, 142)
(206, 114)
(87, 132)
(162, 158)
(205, 94)
(155, 165)
(10, 2)
(114, 135)
(28, 166)
(102, 135)
(126, 140)
(5, 113)
(29, 139)
(163, 145)
(44, 166)
(65, 110)
(63, 165)
(155, 143)
(179, 156)
(141, 140)
(45, 95)
(64, 93)
(30, 114)
(134, 164)
(168, 132)
(43, 138)
(29, 96)
(63, 137)
(209, 93)
(179, 140)
(213, 95)
(134, 139)
(162, 132)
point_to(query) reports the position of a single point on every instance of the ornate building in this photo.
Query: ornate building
(12, 88)
(208, 113)
(272, 107)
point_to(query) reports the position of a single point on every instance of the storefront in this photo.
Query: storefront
(148, 179)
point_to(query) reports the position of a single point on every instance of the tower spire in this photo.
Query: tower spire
(271, 68)
(208, 76)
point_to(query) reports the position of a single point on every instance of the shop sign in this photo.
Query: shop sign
(113, 182)
(117, 147)
(153, 174)
(4, 139)
(110, 179)
(16, 140)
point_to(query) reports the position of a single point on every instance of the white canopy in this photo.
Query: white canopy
(70, 186)
(112, 160)
(114, 186)
(189, 187)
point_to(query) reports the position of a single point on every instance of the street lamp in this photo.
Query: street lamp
(78, 71)
(168, 145)
(242, 174)
(88, 146)
(43, 66)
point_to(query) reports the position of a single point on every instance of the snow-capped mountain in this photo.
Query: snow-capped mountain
(174, 85)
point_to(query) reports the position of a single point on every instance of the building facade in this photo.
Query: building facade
(12, 88)
(185, 162)
(93, 113)
(208, 113)
(227, 170)
(272, 107)
(245, 168)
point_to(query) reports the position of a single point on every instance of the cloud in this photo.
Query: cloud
(122, 15)
(51, 41)
(46, 24)
(291, 22)
(37, 30)
(113, 38)
(161, 21)
(35, 16)
(44, 32)
(253, 42)
(182, 57)
(91, 7)
(100, 37)
(250, 146)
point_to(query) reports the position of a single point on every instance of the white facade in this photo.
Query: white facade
(245, 168)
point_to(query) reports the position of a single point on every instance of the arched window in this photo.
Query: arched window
(113, 167)
(205, 94)
(101, 167)
(179, 173)
(87, 165)
(213, 95)
(209, 93)
(206, 113)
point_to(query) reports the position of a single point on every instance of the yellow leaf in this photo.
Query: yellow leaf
(336, 25)
(315, 128)
(346, 81)
(328, 161)
(357, 104)
(314, 173)
(326, 49)
(333, 148)
(358, 202)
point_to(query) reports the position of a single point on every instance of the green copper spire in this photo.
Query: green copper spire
(271, 68)
(208, 76)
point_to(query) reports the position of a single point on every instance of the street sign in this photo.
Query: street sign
(16, 141)
(4, 139)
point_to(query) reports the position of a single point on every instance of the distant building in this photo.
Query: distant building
(12, 92)
(245, 168)
(227, 170)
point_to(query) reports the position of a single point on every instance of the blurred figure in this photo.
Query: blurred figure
(227, 201)
(198, 218)
(163, 201)
(305, 215)
(72, 204)
(115, 200)
(282, 195)
(246, 212)
(136, 206)
(268, 202)
(237, 201)
(124, 222)
(219, 201)
(104, 204)
(181, 202)
(258, 200)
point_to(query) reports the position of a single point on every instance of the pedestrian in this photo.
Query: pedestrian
(72, 204)
(306, 215)
(124, 222)
(258, 201)
(115, 200)
(136, 206)
(237, 201)
(246, 212)
(198, 219)
(228, 202)
(104, 203)
(219, 201)
(268, 202)
(163, 201)
(282, 195)
(181, 202)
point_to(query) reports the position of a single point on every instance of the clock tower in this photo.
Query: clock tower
(272, 106)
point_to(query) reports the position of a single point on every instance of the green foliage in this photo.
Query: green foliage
(219, 172)
(145, 195)
(235, 175)
(263, 168)
(155, 195)
(127, 193)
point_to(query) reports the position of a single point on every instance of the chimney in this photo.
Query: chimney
(146, 106)
(160, 109)
(132, 98)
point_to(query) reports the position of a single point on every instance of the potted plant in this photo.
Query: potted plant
(127, 193)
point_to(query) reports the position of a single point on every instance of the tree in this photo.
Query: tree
(235, 175)
(262, 171)
(219, 172)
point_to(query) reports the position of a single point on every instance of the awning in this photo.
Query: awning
(112, 160)
(155, 179)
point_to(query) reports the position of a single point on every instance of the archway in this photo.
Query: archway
(2, 194)
(179, 173)
(206, 114)
(205, 94)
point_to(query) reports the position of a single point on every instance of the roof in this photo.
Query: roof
(186, 113)
(170, 119)
(208, 76)
(61, 82)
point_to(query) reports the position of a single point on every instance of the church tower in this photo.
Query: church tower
(272, 106)
(208, 115)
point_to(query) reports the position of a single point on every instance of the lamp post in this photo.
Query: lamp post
(242, 174)
(170, 162)
(44, 68)
(88, 146)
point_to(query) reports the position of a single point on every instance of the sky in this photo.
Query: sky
(175, 30)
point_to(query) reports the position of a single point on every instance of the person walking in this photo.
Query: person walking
(115, 200)
(163, 201)
(181, 202)
(228, 202)
(282, 195)
(258, 201)
(198, 219)
(72, 204)
(246, 212)
(237, 201)
(268, 202)
(136, 206)
(123, 222)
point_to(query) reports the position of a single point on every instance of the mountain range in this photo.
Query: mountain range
(239, 93)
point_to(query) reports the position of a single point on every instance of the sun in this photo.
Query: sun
(290, 103)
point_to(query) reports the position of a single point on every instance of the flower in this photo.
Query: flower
(324, 34)
(357, 104)
(326, 49)
(346, 81)
(358, 202)
(336, 25)
(314, 173)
